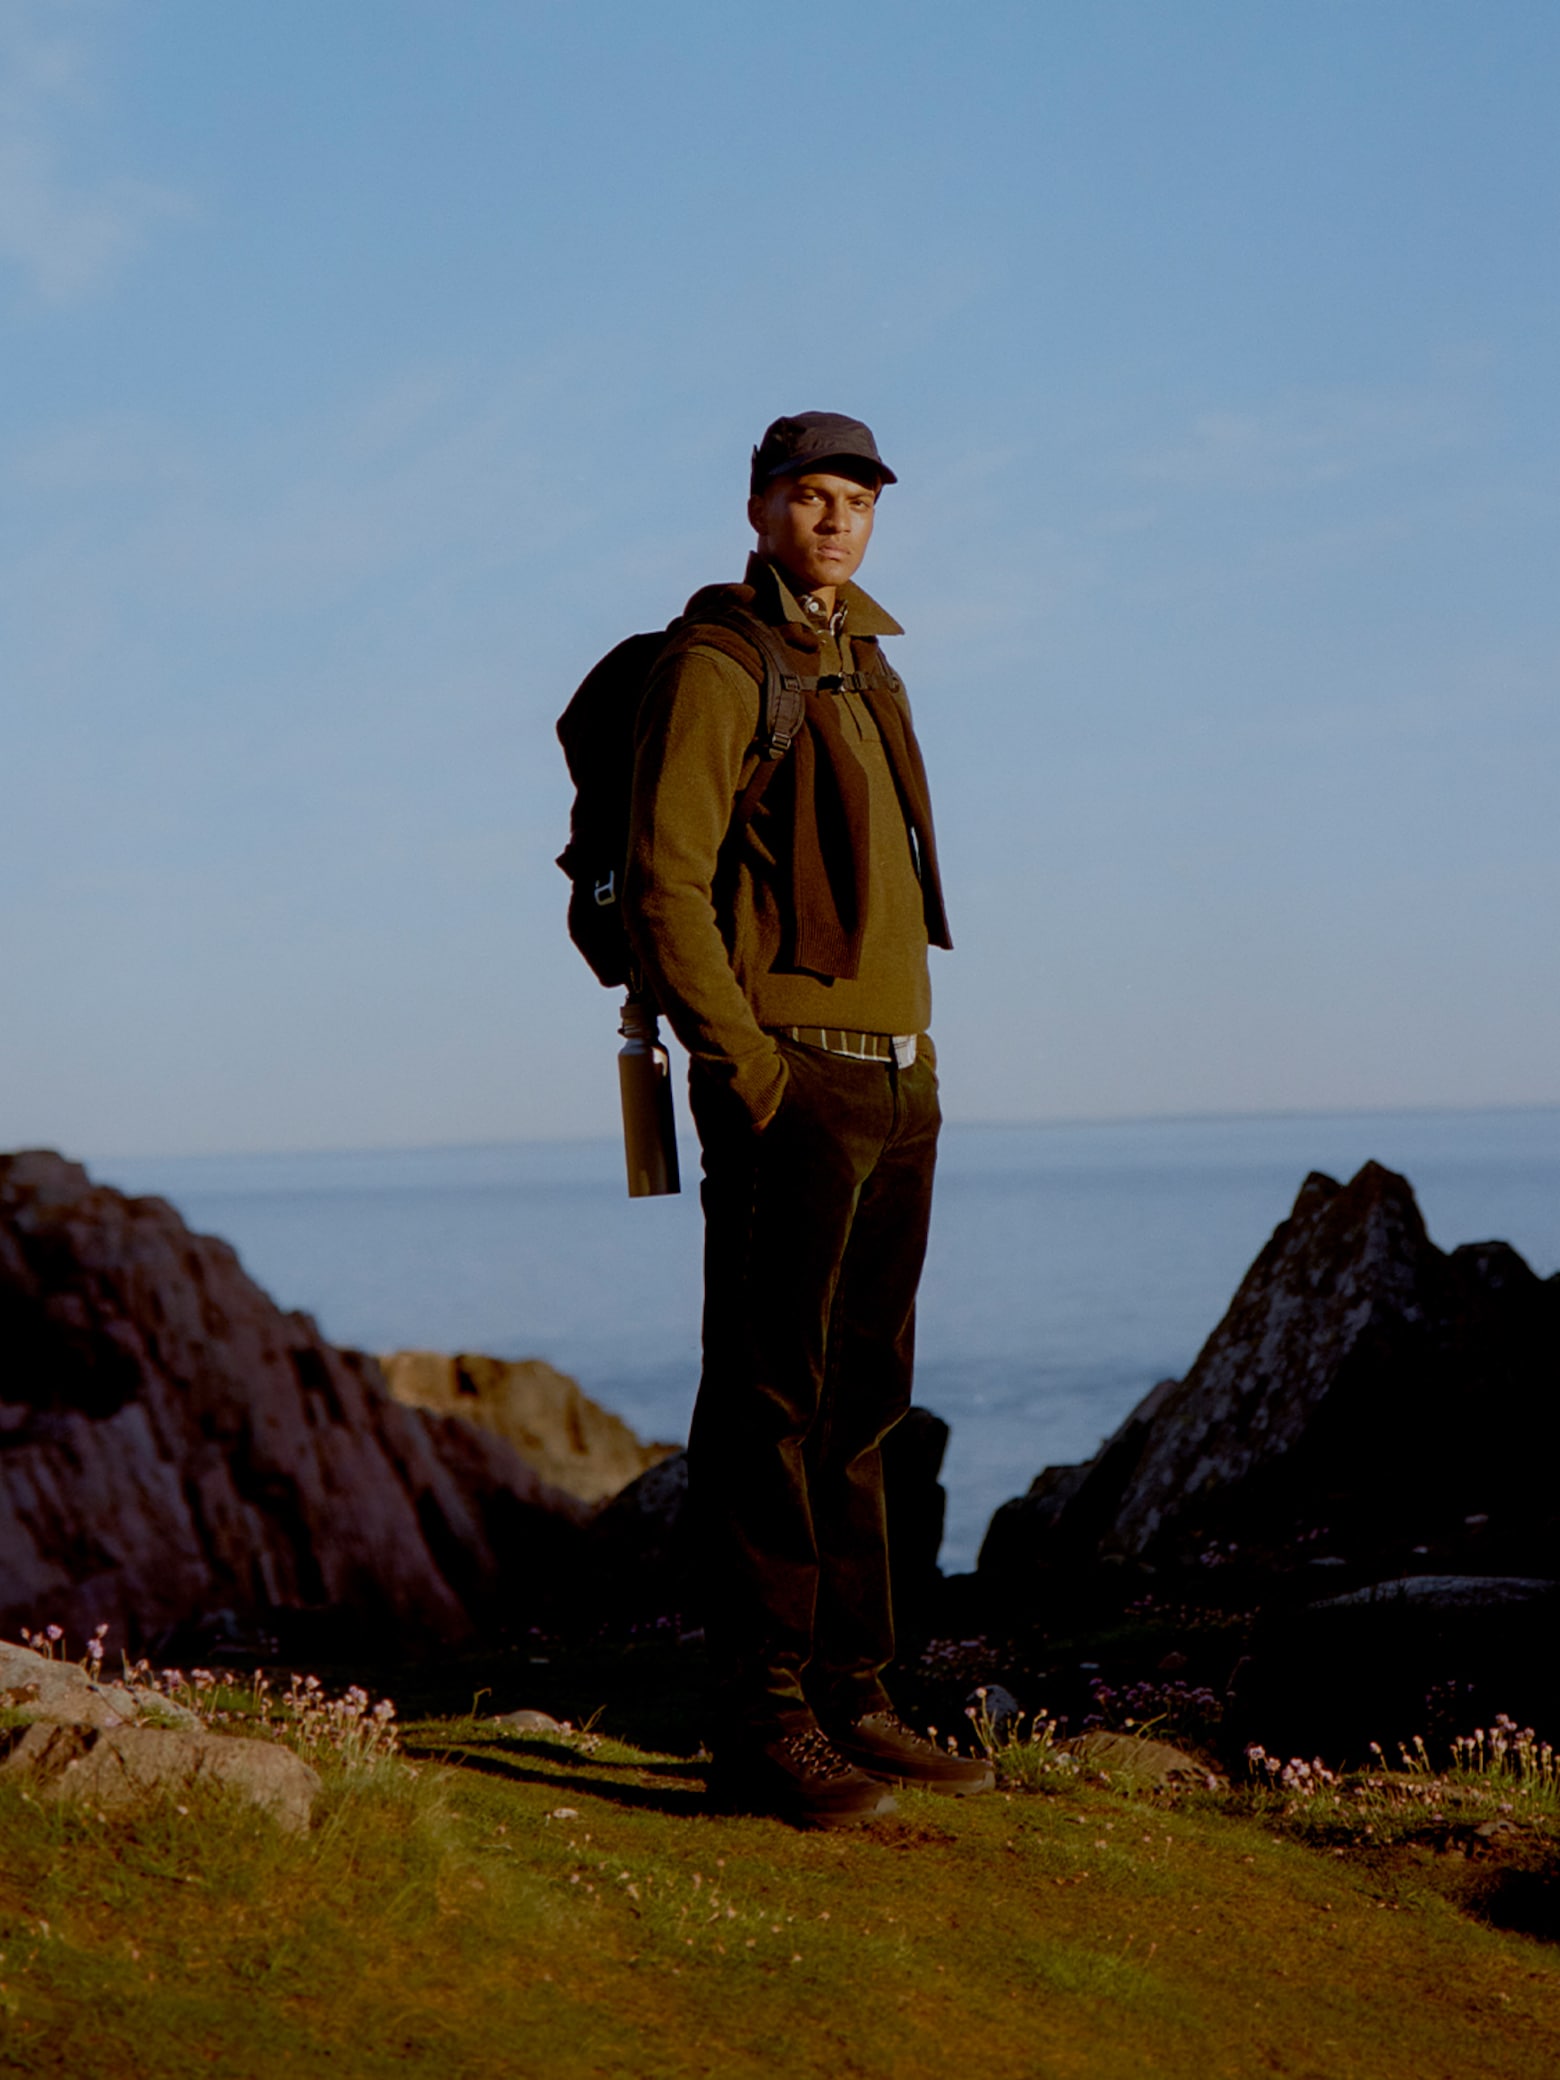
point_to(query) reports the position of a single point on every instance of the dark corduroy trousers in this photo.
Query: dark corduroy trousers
(815, 1233)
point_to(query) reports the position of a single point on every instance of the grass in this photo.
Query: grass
(488, 1903)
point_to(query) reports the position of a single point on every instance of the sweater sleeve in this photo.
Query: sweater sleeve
(697, 724)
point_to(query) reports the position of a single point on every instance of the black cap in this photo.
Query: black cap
(812, 440)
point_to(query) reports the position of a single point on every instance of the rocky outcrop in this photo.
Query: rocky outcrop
(115, 1746)
(1368, 1402)
(36, 1686)
(561, 1434)
(172, 1445)
(119, 1769)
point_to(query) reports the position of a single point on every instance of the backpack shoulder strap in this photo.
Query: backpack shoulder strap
(718, 619)
(879, 672)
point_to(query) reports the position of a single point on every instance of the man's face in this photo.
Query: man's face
(815, 526)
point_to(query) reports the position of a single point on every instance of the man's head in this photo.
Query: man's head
(819, 441)
(815, 482)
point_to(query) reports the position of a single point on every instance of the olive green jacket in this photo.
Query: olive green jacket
(710, 923)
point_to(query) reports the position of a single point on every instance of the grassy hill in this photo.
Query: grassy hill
(497, 1903)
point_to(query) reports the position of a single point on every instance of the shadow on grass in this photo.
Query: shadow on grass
(552, 1764)
(1523, 1903)
(649, 1693)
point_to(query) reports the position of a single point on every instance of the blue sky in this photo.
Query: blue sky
(370, 368)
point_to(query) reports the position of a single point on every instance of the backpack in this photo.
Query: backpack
(596, 731)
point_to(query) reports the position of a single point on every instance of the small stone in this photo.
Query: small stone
(999, 1704)
(64, 1694)
(1129, 1758)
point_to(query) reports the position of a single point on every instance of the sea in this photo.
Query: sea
(1071, 1265)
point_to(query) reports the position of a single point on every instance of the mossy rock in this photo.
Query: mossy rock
(1129, 1758)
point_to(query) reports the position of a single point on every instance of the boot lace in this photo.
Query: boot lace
(891, 1723)
(814, 1752)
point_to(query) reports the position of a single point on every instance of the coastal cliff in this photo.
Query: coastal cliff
(177, 1450)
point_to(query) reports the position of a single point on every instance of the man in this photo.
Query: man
(787, 945)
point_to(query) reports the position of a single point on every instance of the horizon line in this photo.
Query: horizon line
(1049, 1123)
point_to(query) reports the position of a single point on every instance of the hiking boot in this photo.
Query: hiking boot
(881, 1745)
(801, 1777)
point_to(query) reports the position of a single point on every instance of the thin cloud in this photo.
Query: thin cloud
(1299, 442)
(138, 536)
(65, 236)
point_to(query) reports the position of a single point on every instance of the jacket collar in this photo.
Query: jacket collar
(777, 601)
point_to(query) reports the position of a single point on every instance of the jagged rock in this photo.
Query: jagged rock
(638, 1559)
(564, 1436)
(641, 1565)
(116, 1769)
(1437, 1656)
(172, 1443)
(1365, 1390)
(1446, 1592)
(915, 1503)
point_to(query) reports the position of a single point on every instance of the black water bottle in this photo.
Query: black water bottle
(645, 1079)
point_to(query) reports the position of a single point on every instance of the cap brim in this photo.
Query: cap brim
(841, 465)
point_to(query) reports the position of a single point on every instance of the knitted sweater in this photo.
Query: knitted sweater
(710, 921)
